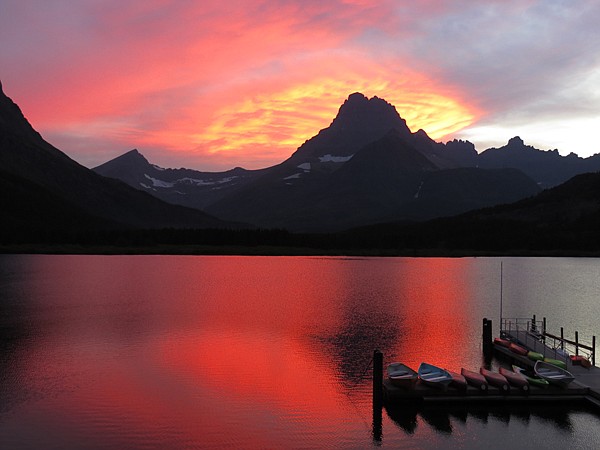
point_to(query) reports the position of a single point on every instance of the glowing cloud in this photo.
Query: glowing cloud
(212, 84)
(274, 123)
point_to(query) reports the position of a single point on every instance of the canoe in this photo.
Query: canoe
(517, 380)
(553, 374)
(556, 362)
(531, 377)
(458, 381)
(515, 348)
(579, 360)
(474, 379)
(434, 376)
(535, 356)
(495, 379)
(401, 375)
(501, 342)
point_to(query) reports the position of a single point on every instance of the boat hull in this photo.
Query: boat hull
(531, 377)
(458, 381)
(553, 374)
(502, 342)
(517, 380)
(434, 376)
(556, 362)
(535, 356)
(495, 379)
(401, 375)
(578, 360)
(475, 379)
(515, 348)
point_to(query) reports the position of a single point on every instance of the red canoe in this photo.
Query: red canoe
(518, 349)
(495, 379)
(474, 379)
(514, 378)
(578, 360)
(502, 342)
(458, 381)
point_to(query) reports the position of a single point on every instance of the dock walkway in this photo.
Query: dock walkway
(587, 378)
(584, 389)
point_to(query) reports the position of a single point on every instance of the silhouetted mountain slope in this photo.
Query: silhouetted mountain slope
(564, 218)
(24, 154)
(184, 187)
(382, 181)
(31, 213)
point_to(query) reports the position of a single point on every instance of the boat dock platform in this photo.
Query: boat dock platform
(427, 395)
(585, 389)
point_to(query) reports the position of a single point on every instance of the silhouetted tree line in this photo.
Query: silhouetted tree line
(441, 235)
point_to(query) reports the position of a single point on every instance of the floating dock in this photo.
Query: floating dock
(585, 389)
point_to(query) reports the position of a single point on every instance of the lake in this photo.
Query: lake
(268, 352)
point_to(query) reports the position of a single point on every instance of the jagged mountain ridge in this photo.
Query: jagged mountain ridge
(33, 168)
(367, 166)
(184, 187)
(382, 181)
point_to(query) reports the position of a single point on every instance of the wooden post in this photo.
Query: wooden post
(562, 338)
(577, 342)
(487, 339)
(544, 330)
(593, 350)
(377, 425)
(533, 326)
(377, 378)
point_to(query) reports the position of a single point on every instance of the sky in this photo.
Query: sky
(211, 85)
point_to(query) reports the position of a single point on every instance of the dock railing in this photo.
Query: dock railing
(531, 333)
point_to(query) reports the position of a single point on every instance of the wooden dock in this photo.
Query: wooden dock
(585, 389)
(422, 393)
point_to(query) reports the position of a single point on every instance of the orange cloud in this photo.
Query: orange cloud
(218, 85)
(276, 122)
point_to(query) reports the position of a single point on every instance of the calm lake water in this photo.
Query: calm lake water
(268, 352)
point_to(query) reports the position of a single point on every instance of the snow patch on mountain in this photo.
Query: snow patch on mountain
(335, 159)
(304, 166)
(292, 177)
(145, 186)
(159, 183)
(198, 182)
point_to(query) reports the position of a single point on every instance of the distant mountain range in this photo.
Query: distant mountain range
(366, 173)
(43, 190)
(366, 167)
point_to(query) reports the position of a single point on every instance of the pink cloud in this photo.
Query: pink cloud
(181, 80)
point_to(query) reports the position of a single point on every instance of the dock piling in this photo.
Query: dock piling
(488, 346)
(377, 425)
(377, 377)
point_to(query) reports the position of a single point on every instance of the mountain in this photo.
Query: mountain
(547, 168)
(321, 187)
(366, 167)
(563, 219)
(184, 187)
(32, 170)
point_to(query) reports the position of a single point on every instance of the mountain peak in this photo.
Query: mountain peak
(516, 141)
(133, 160)
(368, 113)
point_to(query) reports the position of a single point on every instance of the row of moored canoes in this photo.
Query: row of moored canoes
(534, 356)
(543, 375)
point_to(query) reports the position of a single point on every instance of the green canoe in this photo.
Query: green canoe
(535, 356)
(556, 362)
(533, 379)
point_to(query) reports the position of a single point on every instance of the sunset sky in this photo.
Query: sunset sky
(211, 85)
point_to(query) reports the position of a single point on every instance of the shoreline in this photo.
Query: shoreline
(266, 250)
